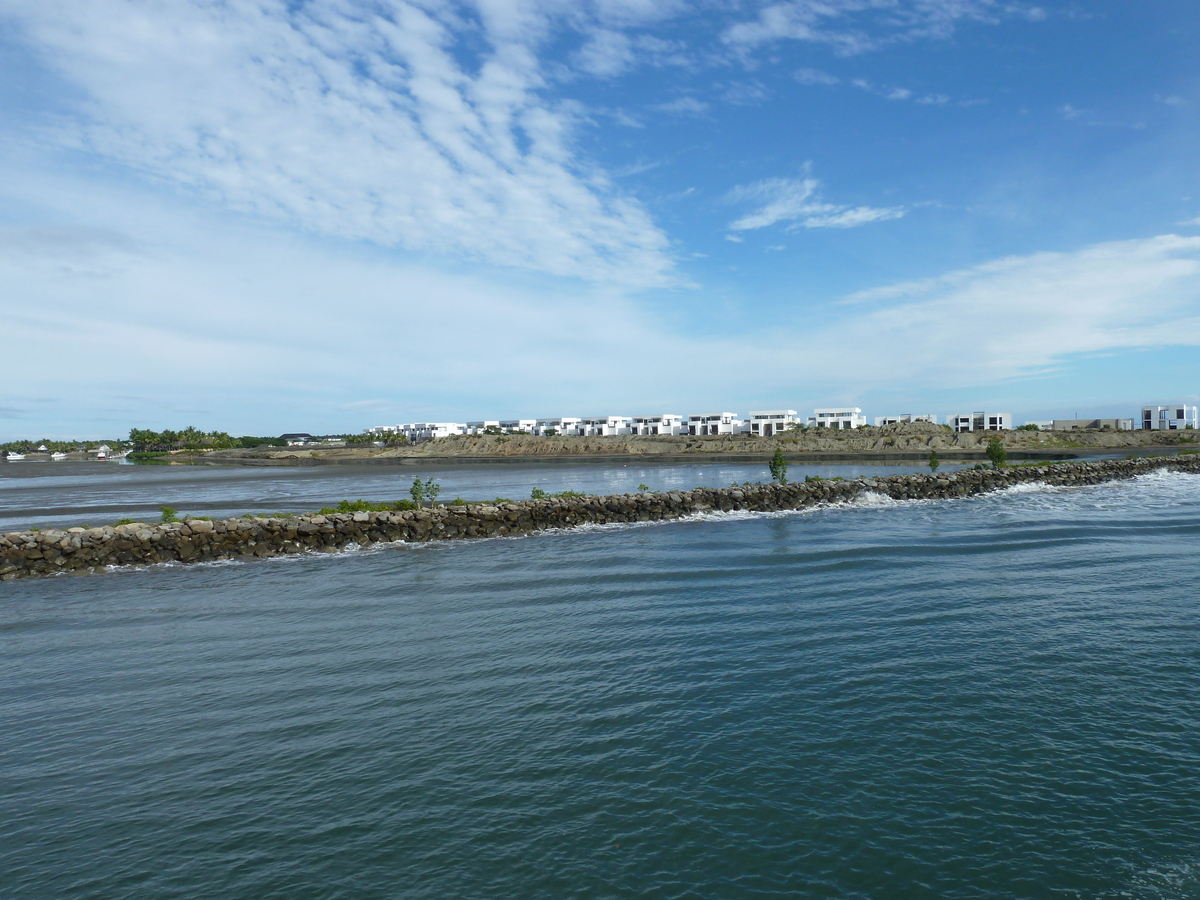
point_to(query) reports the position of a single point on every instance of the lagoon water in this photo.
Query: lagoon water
(63, 494)
(994, 697)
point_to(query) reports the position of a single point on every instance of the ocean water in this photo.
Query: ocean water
(994, 697)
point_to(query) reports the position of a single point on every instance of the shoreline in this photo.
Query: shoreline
(98, 550)
(339, 457)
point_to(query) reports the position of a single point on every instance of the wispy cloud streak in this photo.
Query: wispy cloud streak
(392, 123)
(797, 201)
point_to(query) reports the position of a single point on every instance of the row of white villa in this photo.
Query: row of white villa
(763, 422)
(766, 422)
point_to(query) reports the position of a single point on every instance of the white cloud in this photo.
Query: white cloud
(742, 93)
(1192, 223)
(151, 308)
(357, 120)
(815, 76)
(829, 216)
(859, 26)
(898, 94)
(684, 106)
(797, 200)
(606, 53)
(1025, 314)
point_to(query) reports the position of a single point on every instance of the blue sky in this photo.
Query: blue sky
(272, 216)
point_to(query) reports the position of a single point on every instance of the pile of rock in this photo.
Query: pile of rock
(82, 550)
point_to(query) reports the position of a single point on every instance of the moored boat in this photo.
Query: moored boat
(13, 456)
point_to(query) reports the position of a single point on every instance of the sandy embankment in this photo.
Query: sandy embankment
(888, 443)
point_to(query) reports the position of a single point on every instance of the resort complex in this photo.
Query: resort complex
(765, 423)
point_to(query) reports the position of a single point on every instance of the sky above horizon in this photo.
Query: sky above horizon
(278, 215)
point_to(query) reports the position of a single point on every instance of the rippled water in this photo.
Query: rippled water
(995, 697)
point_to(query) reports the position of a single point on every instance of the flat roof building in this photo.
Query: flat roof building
(604, 425)
(766, 422)
(714, 423)
(837, 417)
(663, 423)
(981, 421)
(905, 418)
(1175, 417)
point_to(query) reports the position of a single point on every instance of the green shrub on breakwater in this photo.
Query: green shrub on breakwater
(352, 506)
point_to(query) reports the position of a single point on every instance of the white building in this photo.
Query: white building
(666, 423)
(482, 426)
(560, 426)
(714, 423)
(1043, 424)
(605, 425)
(981, 421)
(837, 417)
(766, 422)
(428, 431)
(525, 425)
(1175, 417)
(905, 418)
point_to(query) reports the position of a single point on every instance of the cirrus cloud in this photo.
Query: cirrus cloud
(797, 200)
(407, 126)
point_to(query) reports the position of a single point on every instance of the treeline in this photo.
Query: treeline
(59, 446)
(192, 438)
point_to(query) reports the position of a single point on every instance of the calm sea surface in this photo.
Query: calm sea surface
(996, 697)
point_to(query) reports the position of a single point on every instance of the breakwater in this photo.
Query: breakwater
(95, 550)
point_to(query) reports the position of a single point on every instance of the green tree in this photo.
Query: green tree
(424, 490)
(778, 466)
(432, 489)
(996, 453)
(934, 462)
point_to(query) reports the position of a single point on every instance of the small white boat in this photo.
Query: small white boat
(58, 454)
(13, 456)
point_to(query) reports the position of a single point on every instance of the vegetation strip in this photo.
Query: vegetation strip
(94, 550)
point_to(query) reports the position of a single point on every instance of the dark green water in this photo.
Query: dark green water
(997, 697)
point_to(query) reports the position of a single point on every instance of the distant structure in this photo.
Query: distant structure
(1175, 417)
(981, 421)
(664, 423)
(766, 422)
(763, 423)
(296, 438)
(905, 418)
(604, 425)
(504, 426)
(715, 423)
(557, 426)
(1088, 424)
(837, 417)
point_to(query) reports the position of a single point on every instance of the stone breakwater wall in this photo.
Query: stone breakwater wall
(94, 550)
